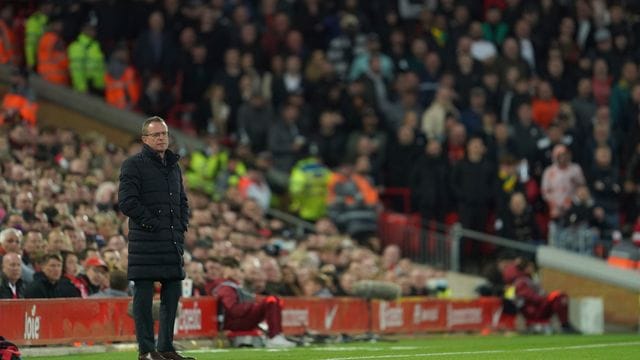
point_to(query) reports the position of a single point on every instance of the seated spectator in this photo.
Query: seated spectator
(118, 286)
(316, 286)
(96, 275)
(71, 270)
(11, 285)
(195, 272)
(49, 283)
(243, 311)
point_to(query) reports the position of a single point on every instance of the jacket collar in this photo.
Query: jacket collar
(170, 157)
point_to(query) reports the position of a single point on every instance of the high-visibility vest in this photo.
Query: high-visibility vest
(308, 189)
(7, 44)
(124, 92)
(34, 28)
(86, 63)
(53, 64)
(367, 191)
(13, 102)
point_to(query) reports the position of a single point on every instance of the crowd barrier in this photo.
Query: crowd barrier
(68, 321)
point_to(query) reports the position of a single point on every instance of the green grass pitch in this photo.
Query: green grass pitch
(617, 347)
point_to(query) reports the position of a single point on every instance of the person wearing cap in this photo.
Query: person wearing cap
(96, 275)
(86, 61)
(152, 195)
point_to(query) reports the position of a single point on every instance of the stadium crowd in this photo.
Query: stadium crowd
(508, 114)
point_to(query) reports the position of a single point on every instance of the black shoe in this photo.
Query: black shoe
(172, 355)
(569, 329)
(154, 355)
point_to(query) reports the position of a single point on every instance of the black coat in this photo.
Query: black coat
(151, 194)
(42, 288)
(5, 290)
(429, 186)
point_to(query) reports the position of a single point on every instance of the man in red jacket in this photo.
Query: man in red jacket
(534, 303)
(243, 311)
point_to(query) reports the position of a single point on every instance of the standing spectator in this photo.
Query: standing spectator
(402, 153)
(429, 183)
(605, 186)
(8, 52)
(122, 88)
(620, 100)
(560, 180)
(545, 106)
(255, 117)
(212, 114)
(473, 184)
(286, 142)
(197, 76)
(494, 29)
(154, 51)
(49, 283)
(601, 82)
(11, 284)
(433, 118)
(345, 47)
(291, 82)
(583, 106)
(156, 99)
(229, 77)
(53, 63)
(157, 220)
(86, 61)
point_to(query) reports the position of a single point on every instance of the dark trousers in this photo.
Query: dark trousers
(142, 314)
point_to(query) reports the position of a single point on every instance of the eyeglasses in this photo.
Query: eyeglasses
(157, 135)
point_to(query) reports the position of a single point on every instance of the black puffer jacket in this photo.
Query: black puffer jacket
(152, 196)
(42, 288)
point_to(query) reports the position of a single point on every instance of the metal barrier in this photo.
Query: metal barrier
(436, 244)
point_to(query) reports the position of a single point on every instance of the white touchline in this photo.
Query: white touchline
(572, 347)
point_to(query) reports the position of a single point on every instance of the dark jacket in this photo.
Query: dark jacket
(151, 194)
(429, 186)
(5, 290)
(42, 288)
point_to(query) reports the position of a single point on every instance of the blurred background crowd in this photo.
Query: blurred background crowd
(517, 118)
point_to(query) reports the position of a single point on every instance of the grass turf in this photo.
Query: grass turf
(618, 347)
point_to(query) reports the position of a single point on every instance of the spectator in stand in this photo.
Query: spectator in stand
(429, 183)
(96, 275)
(286, 142)
(156, 99)
(545, 105)
(605, 186)
(118, 286)
(71, 270)
(402, 153)
(49, 283)
(254, 121)
(195, 272)
(197, 76)
(212, 114)
(229, 77)
(433, 118)
(473, 184)
(471, 117)
(154, 51)
(560, 180)
(347, 46)
(601, 82)
(243, 311)
(517, 221)
(290, 82)
(11, 284)
(621, 102)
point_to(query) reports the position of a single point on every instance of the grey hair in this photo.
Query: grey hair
(4, 234)
(148, 122)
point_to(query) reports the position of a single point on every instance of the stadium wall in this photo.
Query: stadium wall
(68, 321)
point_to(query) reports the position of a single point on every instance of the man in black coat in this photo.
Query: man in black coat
(151, 194)
(50, 283)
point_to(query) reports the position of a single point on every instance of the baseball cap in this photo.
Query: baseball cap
(95, 261)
